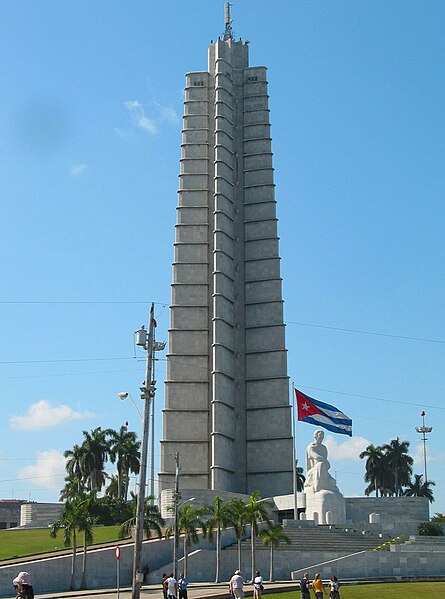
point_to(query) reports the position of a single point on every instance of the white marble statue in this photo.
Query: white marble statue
(317, 466)
(324, 502)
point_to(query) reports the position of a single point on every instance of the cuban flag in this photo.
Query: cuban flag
(322, 414)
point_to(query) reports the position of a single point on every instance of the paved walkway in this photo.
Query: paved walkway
(196, 591)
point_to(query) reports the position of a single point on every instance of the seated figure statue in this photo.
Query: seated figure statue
(317, 466)
(324, 502)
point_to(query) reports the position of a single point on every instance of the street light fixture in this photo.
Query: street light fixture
(423, 430)
(124, 395)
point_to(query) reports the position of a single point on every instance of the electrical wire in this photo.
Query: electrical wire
(364, 332)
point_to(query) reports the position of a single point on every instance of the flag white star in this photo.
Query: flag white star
(305, 407)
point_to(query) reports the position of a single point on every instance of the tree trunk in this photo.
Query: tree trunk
(252, 540)
(239, 553)
(271, 563)
(119, 484)
(83, 583)
(73, 563)
(185, 556)
(218, 553)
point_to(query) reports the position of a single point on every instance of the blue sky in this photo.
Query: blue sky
(90, 128)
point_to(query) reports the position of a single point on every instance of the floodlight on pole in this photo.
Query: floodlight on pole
(423, 430)
(124, 395)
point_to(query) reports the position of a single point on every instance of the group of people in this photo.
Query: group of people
(318, 587)
(236, 585)
(171, 587)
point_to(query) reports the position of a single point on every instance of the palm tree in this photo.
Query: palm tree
(438, 517)
(190, 520)
(112, 489)
(74, 464)
(420, 489)
(124, 449)
(73, 488)
(153, 521)
(376, 469)
(400, 463)
(218, 521)
(85, 526)
(273, 536)
(95, 453)
(256, 512)
(430, 529)
(237, 519)
(70, 521)
(301, 479)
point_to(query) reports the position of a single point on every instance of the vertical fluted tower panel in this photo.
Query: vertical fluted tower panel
(226, 399)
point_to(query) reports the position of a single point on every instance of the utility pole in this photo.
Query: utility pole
(423, 430)
(176, 498)
(147, 394)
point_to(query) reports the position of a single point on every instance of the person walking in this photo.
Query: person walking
(257, 585)
(333, 588)
(172, 587)
(182, 586)
(164, 585)
(304, 586)
(145, 571)
(236, 585)
(318, 587)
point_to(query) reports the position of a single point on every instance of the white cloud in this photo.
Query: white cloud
(48, 471)
(139, 117)
(41, 415)
(77, 170)
(122, 133)
(348, 450)
(167, 113)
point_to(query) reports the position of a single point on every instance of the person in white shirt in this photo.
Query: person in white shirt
(172, 587)
(236, 585)
(257, 585)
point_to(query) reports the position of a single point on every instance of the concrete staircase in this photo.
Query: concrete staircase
(323, 538)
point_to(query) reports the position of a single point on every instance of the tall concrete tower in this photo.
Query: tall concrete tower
(227, 411)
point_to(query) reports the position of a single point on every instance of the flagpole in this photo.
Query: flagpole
(294, 453)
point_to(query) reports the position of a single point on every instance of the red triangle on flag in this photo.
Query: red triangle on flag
(305, 406)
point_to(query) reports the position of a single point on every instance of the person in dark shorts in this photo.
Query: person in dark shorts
(304, 586)
(182, 586)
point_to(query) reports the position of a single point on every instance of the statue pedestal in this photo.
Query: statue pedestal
(320, 503)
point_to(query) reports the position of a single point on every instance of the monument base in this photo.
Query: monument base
(326, 507)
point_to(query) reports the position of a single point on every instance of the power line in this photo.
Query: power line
(363, 332)
(39, 376)
(62, 360)
(405, 403)
(81, 302)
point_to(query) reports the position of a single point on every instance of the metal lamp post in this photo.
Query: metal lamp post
(423, 430)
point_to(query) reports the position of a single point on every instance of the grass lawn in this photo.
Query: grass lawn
(16, 543)
(394, 590)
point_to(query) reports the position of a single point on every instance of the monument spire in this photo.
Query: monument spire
(226, 408)
(228, 32)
